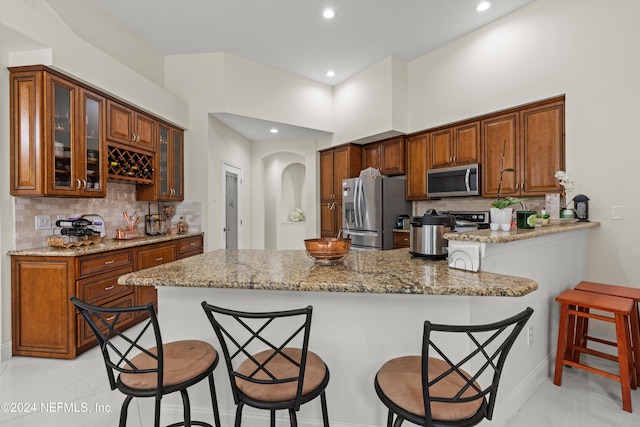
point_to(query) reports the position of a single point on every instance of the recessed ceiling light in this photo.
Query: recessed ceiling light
(273, 130)
(484, 5)
(331, 73)
(328, 14)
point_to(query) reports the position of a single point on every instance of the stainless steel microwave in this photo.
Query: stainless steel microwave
(454, 181)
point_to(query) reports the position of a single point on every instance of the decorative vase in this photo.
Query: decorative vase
(501, 216)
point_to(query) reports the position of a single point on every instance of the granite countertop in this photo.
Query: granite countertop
(391, 272)
(104, 246)
(488, 236)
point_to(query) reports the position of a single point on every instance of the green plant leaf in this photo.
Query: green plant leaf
(506, 202)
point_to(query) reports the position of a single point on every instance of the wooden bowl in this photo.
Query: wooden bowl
(327, 249)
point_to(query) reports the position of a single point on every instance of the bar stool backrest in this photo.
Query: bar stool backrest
(243, 334)
(490, 344)
(119, 347)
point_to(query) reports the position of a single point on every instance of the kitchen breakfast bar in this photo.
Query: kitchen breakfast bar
(371, 307)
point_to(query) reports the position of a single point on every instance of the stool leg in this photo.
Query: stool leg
(562, 339)
(622, 336)
(582, 330)
(635, 341)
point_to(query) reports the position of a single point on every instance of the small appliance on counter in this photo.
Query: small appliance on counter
(426, 238)
(403, 222)
(581, 207)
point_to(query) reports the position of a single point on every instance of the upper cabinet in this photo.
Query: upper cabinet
(127, 126)
(169, 160)
(454, 146)
(532, 138)
(388, 156)
(57, 136)
(336, 164)
(417, 160)
(68, 138)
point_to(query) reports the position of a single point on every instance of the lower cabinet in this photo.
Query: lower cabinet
(46, 324)
(152, 256)
(400, 240)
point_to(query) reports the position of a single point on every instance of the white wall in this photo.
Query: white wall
(587, 50)
(213, 83)
(371, 103)
(268, 218)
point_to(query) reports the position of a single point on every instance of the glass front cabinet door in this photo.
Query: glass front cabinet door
(77, 140)
(169, 160)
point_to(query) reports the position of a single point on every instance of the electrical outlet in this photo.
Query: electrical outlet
(529, 335)
(43, 222)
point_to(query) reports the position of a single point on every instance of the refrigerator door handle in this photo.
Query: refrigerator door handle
(356, 202)
(362, 233)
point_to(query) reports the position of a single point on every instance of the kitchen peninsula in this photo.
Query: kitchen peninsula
(372, 306)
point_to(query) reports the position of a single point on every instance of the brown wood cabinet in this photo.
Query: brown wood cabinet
(152, 256)
(417, 156)
(456, 145)
(68, 138)
(128, 126)
(45, 323)
(57, 135)
(400, 240)
(336, 164)
(388, 156)
(534, 136)
(190, 246)
(168, 185)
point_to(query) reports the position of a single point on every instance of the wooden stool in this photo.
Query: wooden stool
(623, 292)
(576, 304)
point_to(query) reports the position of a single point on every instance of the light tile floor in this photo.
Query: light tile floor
(75, 393)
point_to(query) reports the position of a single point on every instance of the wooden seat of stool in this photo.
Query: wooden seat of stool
(576, 304)
(623, 292)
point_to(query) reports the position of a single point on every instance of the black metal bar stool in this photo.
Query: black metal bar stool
(268, 360)
(432, 389)
(138, 371)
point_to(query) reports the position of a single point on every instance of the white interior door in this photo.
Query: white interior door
(231, 206)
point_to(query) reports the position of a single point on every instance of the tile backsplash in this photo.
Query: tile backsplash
(470, 204)
(121, 197)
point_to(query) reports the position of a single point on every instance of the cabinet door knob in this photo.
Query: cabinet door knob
(159, 259)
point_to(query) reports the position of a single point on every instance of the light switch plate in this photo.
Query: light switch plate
(617, 212)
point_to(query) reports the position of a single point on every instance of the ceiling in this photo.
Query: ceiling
(293, 36)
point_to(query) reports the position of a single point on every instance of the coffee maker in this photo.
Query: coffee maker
(581, 207)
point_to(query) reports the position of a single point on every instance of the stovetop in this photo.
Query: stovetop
(481, 218)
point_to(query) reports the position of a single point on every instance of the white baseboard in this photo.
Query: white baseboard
(5, 352)
(508, 406)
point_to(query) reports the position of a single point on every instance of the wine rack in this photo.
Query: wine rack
(128, 165)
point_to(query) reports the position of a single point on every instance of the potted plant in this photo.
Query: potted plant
(500, 210)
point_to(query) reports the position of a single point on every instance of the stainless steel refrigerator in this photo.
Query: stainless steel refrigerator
(370, 206)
